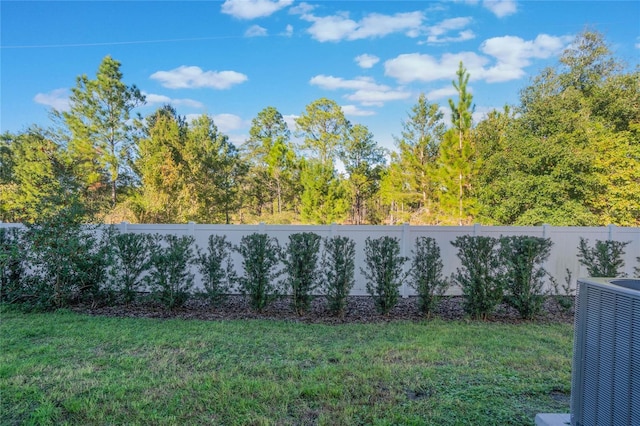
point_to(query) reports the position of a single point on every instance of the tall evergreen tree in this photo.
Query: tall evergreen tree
(99, 127)
(411, 179)
(458, 161)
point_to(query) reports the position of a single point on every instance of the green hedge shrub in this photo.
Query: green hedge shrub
(338, 268)
(425, 275)
(261, 257)
(301, 266)
(384, 271)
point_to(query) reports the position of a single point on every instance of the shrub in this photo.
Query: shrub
(637, 268)
(170, 278)
(260, 258)
(216, 267)
(604, 259)
(522, 257)
(12, 264)
(300, 262)
(479, 276)
(338, 267)
(564, 294)
(130, 259)
(426, 274)
(67, 262)
(384, 271)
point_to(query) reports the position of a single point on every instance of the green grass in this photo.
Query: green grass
(66, 368)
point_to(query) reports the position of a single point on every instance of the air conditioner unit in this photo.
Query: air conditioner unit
(605, 388)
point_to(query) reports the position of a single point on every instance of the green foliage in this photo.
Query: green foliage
(338, 268)
(261, 257)
(323, 127)
(410, 180)
(301, 266)
(604, 259)
(323, 198)
(130, 259)
(12, 264)
(479, 276)
(426, 274)
(564, 293)
(522, 257)
(170, 278)
(384, 272)
(66, 261)
(216, 267)
(637, 268)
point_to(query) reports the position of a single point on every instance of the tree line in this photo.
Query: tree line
(567, 154)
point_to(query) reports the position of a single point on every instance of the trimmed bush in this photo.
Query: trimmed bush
(384, 272)
(338, 268)
(67, 263)
(564, 293)
(301, 266)
(522, 257)
(426, 274)
(604, 259)
(261, 257)
(479, 276)
(170, 279)
(216, 267)
(130, 260)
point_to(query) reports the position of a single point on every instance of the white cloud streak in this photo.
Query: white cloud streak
(436, 32)
(153, 99)
(255, 31)
(57, 99)
(501, 8)
(354, 111)
(190, 77)
(251, 9)
(366, 60)
(338, 27)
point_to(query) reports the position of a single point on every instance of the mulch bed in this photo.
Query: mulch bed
(360, 310)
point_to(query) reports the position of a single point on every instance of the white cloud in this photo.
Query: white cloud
(255, 31)
(228, 122)
(509, 54)
(445, 92)
(501, 8)
(513, 54)
(189, 77)
(420, 67)
(153, 99)
(366, 60)
(354, 111)
(436, 32)
(288, 31)
(330, 82)
(301, 9)
(290, 119)
(251, 9)
(57, 99)
(377, 97)
(340, 27)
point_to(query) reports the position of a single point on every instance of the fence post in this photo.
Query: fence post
(332, 229)
(191, 228)
(545, 230)
(612, 231)
(476, 229)
(262, 227)
(123, 227)
(405, 250)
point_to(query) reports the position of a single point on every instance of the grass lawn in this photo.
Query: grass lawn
(66, 368)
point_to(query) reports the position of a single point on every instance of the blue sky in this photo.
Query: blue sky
(231, 59)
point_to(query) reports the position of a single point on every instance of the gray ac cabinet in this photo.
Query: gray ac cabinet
(605, 388)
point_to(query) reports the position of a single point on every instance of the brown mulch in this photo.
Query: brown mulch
(360, 309)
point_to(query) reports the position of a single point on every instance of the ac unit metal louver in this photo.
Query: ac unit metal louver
(605, 388)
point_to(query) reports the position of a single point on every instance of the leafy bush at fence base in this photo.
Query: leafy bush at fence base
(12, 264)
(384, 272)
(522, 257)
(338, 267)
(130, 258)
(426, 274)
(300, 262)
(67, 263)
(564, 293)
(216, 267)
(260, 259)
(479, 276)
(170, 278)
(604, 259)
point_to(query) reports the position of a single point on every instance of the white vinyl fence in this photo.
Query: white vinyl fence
(563, 253)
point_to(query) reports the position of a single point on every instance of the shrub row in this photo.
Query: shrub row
(62, 262)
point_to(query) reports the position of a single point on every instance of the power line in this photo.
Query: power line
(116, 43)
